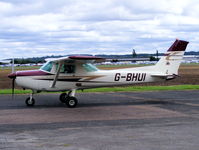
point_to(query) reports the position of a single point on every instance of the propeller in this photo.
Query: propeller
(13, 86)
(13, 77)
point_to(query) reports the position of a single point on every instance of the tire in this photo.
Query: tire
(62, 97)
(30, 102)
(71, 102)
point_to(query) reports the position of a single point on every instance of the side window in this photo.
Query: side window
(89, 67)
(65, 68)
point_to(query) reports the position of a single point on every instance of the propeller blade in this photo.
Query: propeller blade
(13, 77)
(13, 87)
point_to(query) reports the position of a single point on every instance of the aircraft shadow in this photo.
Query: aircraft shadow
(84, 105)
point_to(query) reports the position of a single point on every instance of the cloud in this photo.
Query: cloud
(45, 27)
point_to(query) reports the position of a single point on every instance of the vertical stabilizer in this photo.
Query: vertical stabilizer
(170, 62)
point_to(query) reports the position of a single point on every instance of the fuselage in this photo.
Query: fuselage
(41, 80)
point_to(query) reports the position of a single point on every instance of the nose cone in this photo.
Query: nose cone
(12, 75)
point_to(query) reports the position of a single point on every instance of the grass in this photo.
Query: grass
(17, 91)
(144, 88)
(120, 89)
(20, 68)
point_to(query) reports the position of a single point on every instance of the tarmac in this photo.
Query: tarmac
(162, 120)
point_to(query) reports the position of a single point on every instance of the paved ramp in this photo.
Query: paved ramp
(122, 120)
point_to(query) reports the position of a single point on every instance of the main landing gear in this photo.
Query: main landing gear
(69, 99)
(66, 98)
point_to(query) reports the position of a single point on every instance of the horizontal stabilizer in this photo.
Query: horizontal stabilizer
(165, 76)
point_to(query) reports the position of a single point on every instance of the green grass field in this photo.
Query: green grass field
(20, 68)
(119, 89)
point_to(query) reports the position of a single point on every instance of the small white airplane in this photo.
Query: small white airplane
(68, 74)
(5, 61)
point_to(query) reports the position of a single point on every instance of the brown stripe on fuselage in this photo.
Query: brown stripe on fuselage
(92, 78)
(172, 54)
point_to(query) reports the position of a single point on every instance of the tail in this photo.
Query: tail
(170, 62)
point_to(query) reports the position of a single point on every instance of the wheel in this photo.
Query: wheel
(30, 102)
(71, 102)
(62, 97)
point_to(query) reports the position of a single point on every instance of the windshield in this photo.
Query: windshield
(89, 67)
(47, 66)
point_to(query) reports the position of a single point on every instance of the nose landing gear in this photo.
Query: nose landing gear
(30, 101)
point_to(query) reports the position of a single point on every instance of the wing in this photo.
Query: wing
(83, 59)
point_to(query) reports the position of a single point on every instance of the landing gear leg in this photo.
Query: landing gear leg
(70, 100)
(30, 101)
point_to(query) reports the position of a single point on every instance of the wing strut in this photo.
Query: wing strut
(56, 75)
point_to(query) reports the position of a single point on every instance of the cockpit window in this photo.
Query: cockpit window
(66, 68)
(52, 67)
(89, 67)
(47, 66)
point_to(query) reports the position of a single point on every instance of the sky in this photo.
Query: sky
(34, 28)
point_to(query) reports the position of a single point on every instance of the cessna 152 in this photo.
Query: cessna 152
(77, 72)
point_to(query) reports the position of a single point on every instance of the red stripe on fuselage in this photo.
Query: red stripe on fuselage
(31, 73)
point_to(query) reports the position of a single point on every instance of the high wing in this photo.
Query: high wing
(82, 59)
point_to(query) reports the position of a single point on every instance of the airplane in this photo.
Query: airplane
(68, 74)
(5, 61)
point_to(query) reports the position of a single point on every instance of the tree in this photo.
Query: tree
(134, 53)
(157, 54)
(152, 58)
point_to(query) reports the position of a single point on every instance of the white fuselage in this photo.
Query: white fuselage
(100, 78)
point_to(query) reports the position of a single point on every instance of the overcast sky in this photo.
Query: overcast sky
(59, 27)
